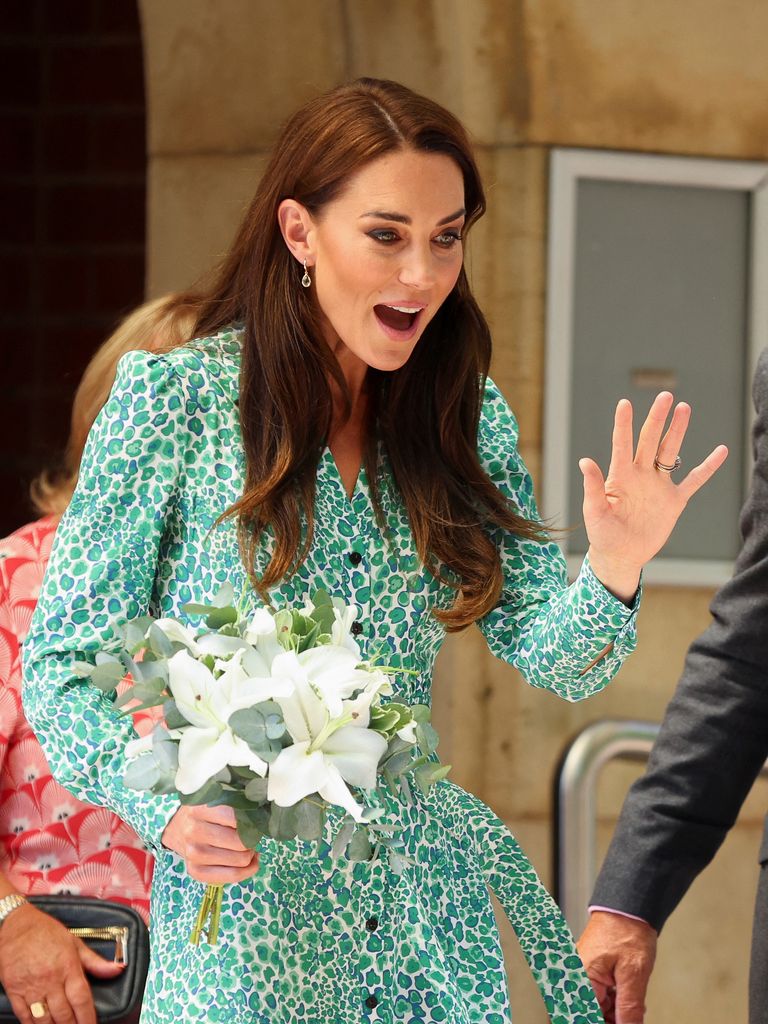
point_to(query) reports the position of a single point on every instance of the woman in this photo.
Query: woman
(334, 428)
(49, 841)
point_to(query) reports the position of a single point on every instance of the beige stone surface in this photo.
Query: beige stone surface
(684, 77)
(467, 54)
(222, 75)
(195, 204)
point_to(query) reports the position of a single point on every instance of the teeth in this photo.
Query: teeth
(404, 309)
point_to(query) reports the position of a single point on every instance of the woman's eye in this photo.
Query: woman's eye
(448, 239)
(384, 235)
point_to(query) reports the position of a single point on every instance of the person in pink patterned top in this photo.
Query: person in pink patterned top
(49, 841)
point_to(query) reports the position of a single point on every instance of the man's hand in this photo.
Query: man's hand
(42, 965)
(618, 954)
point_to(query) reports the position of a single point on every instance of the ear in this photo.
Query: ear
(297, 229)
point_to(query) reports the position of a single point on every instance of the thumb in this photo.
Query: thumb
(98, 965)
(594, 484)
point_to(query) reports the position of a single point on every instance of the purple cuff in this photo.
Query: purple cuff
(619, 913)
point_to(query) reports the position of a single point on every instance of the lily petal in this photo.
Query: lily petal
(356, 754)
(295, 774)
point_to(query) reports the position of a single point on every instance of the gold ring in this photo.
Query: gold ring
(668, 469)
(38, 1010)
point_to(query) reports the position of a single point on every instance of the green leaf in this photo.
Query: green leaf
(427, 738)
(83, 669)
(252, 826)
(221, 617)
(224, 596)
(284, 628)
(159, 642)
(307, 641)
(282, 822)
(233, 798)
(210, 793)
(193, 608)
(421, 712)
(143, 773)
(360, 848)
(107, 675)
(256, 790)
(262, 728)
(173, 717)
(310, 818)
(341, 842)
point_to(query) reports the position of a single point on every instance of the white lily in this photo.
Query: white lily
(178, 633)
(408, 732)
(208, 744)
(341, 630)
(261, 632)
(328, 751)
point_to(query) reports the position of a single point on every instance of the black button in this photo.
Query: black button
(356, 628)
(371, 1002)
(372, 924)
(355, 557)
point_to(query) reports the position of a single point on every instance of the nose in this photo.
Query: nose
(417, 269)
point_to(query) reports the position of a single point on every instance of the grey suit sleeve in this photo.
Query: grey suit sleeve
(714, 737)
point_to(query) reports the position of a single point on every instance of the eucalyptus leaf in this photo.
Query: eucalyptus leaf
(173, 717)
(256, 790)
(341, 842)
(159, 642)
(282, 822)
(252, 826)
(427, 738)
(107, 675)
(360, 848)
(310, 818)
(233, 798)
(143, 773)
(83, 669)
(210, 793)
(221, 617)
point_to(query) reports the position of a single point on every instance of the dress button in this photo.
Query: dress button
(355, 557)
(371, 1002)
(372, 924)
(356, 628)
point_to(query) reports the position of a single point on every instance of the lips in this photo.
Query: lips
(399, 322)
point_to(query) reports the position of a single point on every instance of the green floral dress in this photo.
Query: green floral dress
(308, 940)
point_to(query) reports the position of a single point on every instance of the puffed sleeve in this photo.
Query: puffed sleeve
(572, 638)
(101, 573)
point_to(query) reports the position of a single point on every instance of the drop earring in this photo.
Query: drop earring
(306, 280)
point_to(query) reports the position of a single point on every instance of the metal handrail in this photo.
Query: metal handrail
(575, 846)
(576, 813)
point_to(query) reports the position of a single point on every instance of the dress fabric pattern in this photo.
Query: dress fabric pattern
(309, 940)
(50, 842)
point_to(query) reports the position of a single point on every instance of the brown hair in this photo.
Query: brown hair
(426, 413)
(156, 326)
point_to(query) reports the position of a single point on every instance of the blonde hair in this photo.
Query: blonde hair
(156, 326)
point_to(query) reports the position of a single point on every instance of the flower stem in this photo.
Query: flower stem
(208, 916)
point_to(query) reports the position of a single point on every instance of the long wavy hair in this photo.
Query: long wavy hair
(426, 414)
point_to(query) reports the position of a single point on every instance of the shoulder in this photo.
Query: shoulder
(203, 369)
(498, 424)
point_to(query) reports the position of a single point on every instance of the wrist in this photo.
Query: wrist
(10, 904)
(621, 579)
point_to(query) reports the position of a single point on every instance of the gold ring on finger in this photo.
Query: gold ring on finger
(38, 1010)
(668, 469)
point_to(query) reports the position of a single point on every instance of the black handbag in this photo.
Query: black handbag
(114, 931)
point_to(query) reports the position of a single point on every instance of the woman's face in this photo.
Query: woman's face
(386, 253)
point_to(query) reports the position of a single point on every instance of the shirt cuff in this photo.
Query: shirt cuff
(620, 913)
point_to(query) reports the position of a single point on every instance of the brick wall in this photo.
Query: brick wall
(72, 214)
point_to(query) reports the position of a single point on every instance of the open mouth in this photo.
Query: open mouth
(397, 318)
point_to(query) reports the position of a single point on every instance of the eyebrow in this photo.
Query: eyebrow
(400, 218)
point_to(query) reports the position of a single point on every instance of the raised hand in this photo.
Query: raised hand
(630, 513)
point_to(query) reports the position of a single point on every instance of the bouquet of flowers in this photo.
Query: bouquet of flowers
(277, 716)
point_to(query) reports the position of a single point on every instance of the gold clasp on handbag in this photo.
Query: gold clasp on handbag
(116, 933)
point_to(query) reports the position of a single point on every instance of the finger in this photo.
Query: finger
(594, 487)
(651, 430)
(97, 965)
(631, 984)
(218, 815)
(59, 1010)
(622, 441)
(672, 442)
(80, 998)
(217, 836)
(20, 1007)
(699, 475)
(216, 874)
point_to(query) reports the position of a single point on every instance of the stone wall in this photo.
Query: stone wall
(524, 75)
